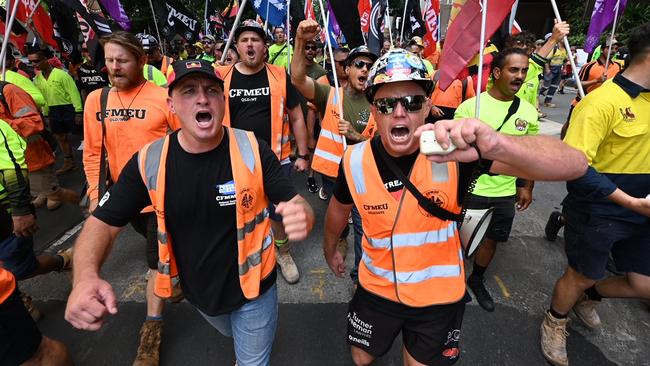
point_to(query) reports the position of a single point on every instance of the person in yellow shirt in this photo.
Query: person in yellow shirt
(553, 74)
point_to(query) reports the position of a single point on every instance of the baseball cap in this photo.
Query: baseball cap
(360, 51)
(148, 41)
(416, 41)
(183, 68)
(250, 25)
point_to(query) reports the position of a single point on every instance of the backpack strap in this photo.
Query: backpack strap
(104, 172)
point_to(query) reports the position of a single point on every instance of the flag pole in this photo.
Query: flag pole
(611, 37)
(336, 79)
(479, 78)
(288, 36)
(388, 23)
(327, 22)
(574, 69)
(401, 33)
(266, 18)
(232, 30)
(5, 41)
(155, 23)
(205, 18)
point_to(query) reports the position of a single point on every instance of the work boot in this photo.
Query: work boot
(342, 246)
(585, 310)
(549, 105)
(34, 312)
(553, 225)
(39, 201)
(66, 254)
(149, 348)
(553, 340)
(68, 166)
(482, 295)
(287, 265)
(311, 185)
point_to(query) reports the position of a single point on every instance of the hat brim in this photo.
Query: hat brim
(244, 28)
(198, 71)
(352, 56)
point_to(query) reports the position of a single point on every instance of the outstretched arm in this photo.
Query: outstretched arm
(307, 30)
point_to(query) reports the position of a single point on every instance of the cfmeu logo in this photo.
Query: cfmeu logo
(436, 196)
(376, 209)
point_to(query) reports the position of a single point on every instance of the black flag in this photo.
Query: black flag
(376, 36)
(414, 25)
(349, 20)
(66, 31)
(297, 15)
(214, 20)
(179, 20)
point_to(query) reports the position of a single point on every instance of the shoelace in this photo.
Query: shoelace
(147, 346)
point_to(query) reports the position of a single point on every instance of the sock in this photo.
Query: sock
(478, 271)
(593, 294)
(280, 243)
(155, 317)
(61, 261)
(557, 315)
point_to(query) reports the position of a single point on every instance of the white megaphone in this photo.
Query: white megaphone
(473, 229)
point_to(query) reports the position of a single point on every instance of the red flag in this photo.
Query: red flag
(42, 24)
(234, 10)
(432, 22)
(463, 36)
(309, 10)
(18, 34)
(364, 8)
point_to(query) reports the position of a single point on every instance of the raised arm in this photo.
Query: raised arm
(307, 29)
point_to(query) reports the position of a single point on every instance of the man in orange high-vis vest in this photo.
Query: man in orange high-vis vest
(356, 124)
(203, 174)
(412, 277)
(21, 342)
(260, 98)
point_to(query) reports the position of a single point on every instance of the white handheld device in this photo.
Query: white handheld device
(429, 145)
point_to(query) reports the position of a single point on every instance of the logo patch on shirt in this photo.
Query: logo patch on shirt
(521, 124)
(436, 196)
(226, 194)
(628, 115)
(247, 200)
(105, 198)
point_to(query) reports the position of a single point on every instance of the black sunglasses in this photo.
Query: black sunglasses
(412, 103)
(311, 48)
(360, 64)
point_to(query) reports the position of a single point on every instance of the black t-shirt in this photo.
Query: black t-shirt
(91, 79)
(201, 218)
(250, 102)
(157, 64)
(405, 163)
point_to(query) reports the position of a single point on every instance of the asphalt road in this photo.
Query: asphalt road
(312, 325)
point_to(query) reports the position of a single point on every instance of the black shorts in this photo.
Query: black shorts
(588, 240)
(502, 218)
(146, 225)
(431, 334)
(19, 335)
(62, 118)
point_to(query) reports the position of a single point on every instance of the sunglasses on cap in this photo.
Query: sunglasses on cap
(411, 103)
(360, 64)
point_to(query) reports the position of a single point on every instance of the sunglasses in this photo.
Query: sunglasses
(360, 64)
(412, 103)
(311, 48)
(207, 42)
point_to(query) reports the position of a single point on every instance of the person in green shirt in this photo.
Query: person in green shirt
(23, 82)
(209, 43)
(152, 74)
(507, 113)
(63, 101)
(280, 50)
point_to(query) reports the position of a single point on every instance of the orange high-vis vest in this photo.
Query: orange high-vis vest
(256, 254)
(329, 148)
(409, 256)
(166, 62)
(7, 284)
(277, 76)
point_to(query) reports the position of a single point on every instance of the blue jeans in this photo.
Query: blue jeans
(253, 328)
(551, 82)
(358, 234)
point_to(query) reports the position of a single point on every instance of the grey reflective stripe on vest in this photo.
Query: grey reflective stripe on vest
(435, 271)
(250, 226)
(255, 258)
(149, 72)
(284, 140)
(327, 156)
(440, 172)
(245, 149)
(162, 237)
(415, 239)
(356, 167)
(152, 163)
(331, 135)
(23, 111)
(163, 268)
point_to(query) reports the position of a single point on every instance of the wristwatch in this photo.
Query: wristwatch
(303, 157)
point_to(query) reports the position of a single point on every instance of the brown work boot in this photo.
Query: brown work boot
(287, 265)
(34, 312)
(68, 166)
(585, 310)
(149, 348)
(553, 341)
(66, 254)
(39, 201)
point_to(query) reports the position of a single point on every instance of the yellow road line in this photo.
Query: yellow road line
(502, 286)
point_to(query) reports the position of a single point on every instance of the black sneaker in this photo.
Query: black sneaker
(311, 185)
(481, 293)
(553, 225)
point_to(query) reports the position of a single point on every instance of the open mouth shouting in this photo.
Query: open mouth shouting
(204, 119)
(400, 133)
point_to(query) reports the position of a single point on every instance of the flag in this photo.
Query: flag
(364, 9)
(297, 15)
(179, 20)
(116, 11)
(348, 21)
(333, 29)
(309, 10)
(601, 18)
(413, 24)
(432, 23)
(214, 21)
(277, 11)
(17, 35)
(376, 34)
(500, 36)
(463, 36)
(455, 9)
(66, 30)
(41, 23)
(231, 10)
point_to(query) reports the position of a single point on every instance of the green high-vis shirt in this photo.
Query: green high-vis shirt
(493, 111)
(151, 73)
(26, 85)
(14, 186)
(59, 89)
(278, 54)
